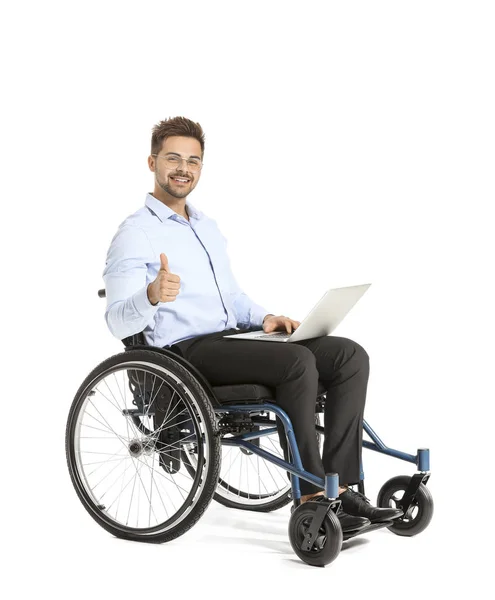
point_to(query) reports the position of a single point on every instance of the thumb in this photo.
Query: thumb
(164, 263)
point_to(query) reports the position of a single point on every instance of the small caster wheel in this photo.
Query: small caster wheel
(420, 512)
(327, 544)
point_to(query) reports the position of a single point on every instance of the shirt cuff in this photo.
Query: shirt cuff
(142, 304)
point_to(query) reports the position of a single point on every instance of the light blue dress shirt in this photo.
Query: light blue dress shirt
(209, 299)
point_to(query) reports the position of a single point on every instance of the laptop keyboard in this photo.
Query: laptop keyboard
(278, 334)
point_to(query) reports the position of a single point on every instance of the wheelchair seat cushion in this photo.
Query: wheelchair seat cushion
(244, 392)
(249, 392)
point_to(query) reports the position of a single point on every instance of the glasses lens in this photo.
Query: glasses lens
(193, 164)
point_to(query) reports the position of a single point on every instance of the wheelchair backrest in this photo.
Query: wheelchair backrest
(134, 340)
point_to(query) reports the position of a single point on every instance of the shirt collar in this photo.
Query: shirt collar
(163, 212)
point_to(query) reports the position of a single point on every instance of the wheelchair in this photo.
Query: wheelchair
(149, 443)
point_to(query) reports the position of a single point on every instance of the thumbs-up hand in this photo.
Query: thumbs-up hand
(166, 285)
(164, 262)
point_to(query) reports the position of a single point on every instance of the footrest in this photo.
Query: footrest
(371, 527)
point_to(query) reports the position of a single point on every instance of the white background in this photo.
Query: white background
(359, 138)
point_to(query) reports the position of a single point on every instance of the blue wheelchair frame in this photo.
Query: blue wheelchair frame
(331, 482)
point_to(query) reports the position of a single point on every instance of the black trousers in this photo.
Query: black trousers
(293, 371)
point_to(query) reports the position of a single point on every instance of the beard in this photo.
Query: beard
(175, 191)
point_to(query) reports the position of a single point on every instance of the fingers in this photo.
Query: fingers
(290, 325)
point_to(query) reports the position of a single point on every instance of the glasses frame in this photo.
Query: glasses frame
(181, 158)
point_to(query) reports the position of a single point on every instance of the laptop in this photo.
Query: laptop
(322, 320)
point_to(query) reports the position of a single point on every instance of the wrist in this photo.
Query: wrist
(267, 317)
(151, 298)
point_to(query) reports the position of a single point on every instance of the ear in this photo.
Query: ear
(151, 163)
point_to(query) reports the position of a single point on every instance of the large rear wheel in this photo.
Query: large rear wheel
(129, 424)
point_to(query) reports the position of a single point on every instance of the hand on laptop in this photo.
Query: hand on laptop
(280, 323)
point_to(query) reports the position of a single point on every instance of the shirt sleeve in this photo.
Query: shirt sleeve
(248, 313)
(129, 310)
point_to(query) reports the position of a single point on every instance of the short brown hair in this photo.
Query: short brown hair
(176, 126)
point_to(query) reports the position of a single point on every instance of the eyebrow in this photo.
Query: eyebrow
(177, 154)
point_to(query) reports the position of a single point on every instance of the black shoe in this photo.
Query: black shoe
(355, 503)
(348, 523)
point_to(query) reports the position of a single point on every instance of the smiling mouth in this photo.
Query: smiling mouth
(180, 180)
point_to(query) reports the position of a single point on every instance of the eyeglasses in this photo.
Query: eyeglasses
(172, 162)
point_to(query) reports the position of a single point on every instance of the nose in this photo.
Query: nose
(179, 168)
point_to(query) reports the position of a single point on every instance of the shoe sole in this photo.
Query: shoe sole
(371, 527)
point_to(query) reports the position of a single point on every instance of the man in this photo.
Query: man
(168, 275)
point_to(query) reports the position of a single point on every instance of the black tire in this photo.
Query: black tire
(189, 392)
(422, 506)
(329, 543)
(268, 506)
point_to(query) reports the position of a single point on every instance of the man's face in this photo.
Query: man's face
(186, 147)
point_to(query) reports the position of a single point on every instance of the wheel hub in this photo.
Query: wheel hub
(139, 446)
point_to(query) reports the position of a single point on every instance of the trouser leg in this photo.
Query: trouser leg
(297, 397)
(343, 367)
